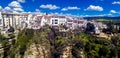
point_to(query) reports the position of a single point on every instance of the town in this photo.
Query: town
(19, 21)
(59, 28)
(36, 31)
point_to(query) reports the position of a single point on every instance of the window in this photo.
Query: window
(55, 21)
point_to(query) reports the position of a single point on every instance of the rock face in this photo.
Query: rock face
(37, 52)
(1, 51)
(42, 52)
(43, 44)
(67, 52)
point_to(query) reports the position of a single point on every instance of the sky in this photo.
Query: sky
(68, 7)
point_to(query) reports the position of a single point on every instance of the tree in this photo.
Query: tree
(92, 54)
(90, 27)
(113, 53)
(11, 29)
(104, 51)
(115, 41)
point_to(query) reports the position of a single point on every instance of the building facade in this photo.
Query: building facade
(25, 20)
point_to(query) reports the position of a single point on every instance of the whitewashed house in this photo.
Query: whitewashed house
(25, 20)
(58, 20)
(69, 22)
(76, 22)
(52, 20)
(1, 21)
(36, 22)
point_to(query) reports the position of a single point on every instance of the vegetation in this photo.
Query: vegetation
(113, 26)
(55, 41)
(23, 41)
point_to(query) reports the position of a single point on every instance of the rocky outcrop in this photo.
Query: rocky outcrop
(67, 52)
(1, 51)
(37, 51)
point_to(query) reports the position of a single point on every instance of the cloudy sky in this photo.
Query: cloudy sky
(71, 7)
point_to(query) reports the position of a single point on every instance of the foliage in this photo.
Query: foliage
(91, 46)
(90, 27)
(22, 43)
(97, 47)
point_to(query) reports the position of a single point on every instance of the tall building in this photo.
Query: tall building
(1, 21)
(14, 20)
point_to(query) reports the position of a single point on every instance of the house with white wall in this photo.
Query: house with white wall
(52, 20)
(14, 20)
(1, 21)
(56, 20)
(25, 20)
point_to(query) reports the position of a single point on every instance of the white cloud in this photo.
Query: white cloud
(7, 9)
(64, 9)
(109, 14)
(116, 2)
(21, 1)
(15, 4)
(56, 13)
(49, 6)
(95, 8)
(70, 8)
(18, 9)
(37, 10)
(113, 11)
(73, 8)
(97, 15)
(1, 8)
(14, 7)
(15, 12)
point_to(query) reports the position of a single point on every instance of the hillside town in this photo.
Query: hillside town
(59, 28)
(19, 21)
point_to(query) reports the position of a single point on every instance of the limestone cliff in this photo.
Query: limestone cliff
(37, 51)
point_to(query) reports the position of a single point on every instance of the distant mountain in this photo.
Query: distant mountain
(102, 17)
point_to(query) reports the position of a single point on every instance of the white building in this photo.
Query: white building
(76, 22)
(25, 20)
(52, 20)
(1, 21)
(15, 20)
(56, 20)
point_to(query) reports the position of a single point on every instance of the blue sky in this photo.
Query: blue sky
(71, 7)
